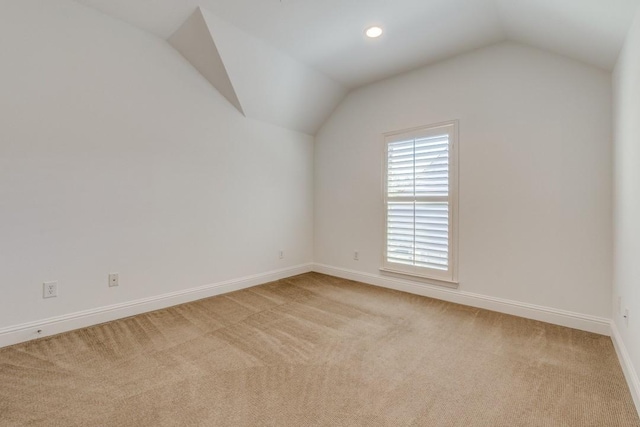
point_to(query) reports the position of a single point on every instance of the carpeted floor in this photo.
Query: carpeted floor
(315, 350)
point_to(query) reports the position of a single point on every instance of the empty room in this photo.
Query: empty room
(320, 213)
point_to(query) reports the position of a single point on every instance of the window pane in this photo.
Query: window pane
(400, 232)
(400, 168)
(418, 234)
(431, 166)
(432, 235)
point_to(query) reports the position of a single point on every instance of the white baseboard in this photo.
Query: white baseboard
(585, 322)
(630, 372)
(55, 325)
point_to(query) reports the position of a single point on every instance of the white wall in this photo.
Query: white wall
(626, 84)
(117, 156)
(535, 173)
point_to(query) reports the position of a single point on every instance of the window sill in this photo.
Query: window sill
(416, 277)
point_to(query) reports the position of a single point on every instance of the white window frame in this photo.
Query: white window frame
(450, 275)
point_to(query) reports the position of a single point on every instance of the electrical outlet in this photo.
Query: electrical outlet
(626, 316)
(114, 280)
(356, 256)
(49, 289)
(281, 254)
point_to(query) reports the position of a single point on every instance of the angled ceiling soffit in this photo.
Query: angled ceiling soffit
(194, 41)
(262, 82)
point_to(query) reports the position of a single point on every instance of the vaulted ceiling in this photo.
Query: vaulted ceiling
(327, 35)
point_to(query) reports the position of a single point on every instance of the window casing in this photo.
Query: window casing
(421, 202)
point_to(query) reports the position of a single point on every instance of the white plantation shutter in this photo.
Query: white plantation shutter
(420, 201)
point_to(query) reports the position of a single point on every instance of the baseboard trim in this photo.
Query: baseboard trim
(585, 322)
(56, 325)
(628, 369)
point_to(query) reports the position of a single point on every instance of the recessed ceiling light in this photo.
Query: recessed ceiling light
(373, 32)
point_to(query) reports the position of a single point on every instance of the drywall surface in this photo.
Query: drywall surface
(116, 155)
(626, 84)
(194, 41)
(535, 173)
(261, 81)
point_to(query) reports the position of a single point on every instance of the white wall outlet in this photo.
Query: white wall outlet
(49, 289)
(626, 316)
(356, 255)
(281, 254)
(114, 280)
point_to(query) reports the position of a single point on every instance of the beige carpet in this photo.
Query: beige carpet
(314, 350)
